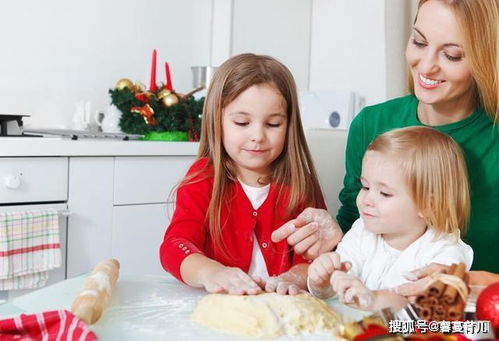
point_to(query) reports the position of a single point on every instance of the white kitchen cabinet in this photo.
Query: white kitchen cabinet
(138, 231)
(31, 179)
(142, 206)
(143, 180)
(91, 205)
(116, 193)
(118, 207)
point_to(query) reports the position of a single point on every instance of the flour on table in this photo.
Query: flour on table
(267, 315)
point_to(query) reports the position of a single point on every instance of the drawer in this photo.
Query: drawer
(147, 180)
(33, 179)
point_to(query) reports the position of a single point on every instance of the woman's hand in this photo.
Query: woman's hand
(311, 234)
(419, 279)
(352, 292)
(229, 280)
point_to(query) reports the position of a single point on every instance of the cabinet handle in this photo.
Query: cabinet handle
(12, 181)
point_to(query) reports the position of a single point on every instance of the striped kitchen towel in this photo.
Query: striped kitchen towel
(29, 247)
(54, 325)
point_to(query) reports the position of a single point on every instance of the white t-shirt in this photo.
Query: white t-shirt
(380, 266)
(257, 196)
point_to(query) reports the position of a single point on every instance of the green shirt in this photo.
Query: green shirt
(478, 138)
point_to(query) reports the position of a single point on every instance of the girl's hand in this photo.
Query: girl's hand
(352, 292)
(285, 284)
(232, 281)
(311, 234)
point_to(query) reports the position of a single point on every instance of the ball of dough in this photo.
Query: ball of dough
(267, 315)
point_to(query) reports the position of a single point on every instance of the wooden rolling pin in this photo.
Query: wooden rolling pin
(90, 302)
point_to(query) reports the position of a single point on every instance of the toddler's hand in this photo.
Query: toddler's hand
(321, 269)
(232, 281)
(351, 291)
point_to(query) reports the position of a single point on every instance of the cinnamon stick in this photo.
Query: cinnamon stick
(438, 312)
(432, 301)
(450, 293)
(436, 289)
(425, 312)
(455, 311)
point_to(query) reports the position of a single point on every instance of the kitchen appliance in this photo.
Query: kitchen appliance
(202, 75)
(11, 125)
(27, 184)
(79, 134)
(326, 109)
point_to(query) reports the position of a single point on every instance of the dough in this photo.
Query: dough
(267, 315)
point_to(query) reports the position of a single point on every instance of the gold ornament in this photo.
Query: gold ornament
(151, 95)
(163, 93)
(139, 87)
(124, 83)
(170, 100)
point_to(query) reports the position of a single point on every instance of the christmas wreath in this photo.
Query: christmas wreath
(159, 112)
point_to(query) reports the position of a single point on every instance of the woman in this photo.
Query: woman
(452, 57)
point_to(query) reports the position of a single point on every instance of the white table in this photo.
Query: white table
(140, 308)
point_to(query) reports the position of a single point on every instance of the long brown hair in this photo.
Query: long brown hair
(478, 20)
(293, 168)
(435, 171)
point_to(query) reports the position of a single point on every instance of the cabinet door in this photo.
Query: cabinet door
(138, 231)
(90, 203)
(148, 180)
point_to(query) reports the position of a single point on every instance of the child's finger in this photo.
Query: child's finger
(282, 288)
(259, 281)
(214, 288)
(245, 283)
(317, 274)
(271, 284)
(340, 282)
(335, 260)
(364, 298)
(325, 271)
(293, 290)
(345, 266)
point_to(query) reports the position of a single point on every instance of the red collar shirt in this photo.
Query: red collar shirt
(188, 230)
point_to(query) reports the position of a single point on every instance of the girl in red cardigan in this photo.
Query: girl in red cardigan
(254, 173)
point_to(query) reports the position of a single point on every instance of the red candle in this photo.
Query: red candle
(169, 84)
(152, 84)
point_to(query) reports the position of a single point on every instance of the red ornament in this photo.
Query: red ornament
(487, 306)
(146, 112)
(142, 96)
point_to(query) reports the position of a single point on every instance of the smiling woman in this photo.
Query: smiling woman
(454, 86)
(452, 56)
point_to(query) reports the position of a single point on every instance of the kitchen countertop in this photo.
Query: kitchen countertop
(56, 146)
(141, 308)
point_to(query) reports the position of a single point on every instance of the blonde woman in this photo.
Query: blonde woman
(254, 172)
(414, 208)
(453, 61)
